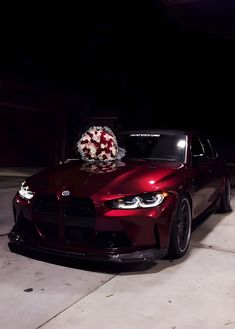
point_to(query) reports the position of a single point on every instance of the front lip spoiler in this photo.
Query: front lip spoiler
(135, 256)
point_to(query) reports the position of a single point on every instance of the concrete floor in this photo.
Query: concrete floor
(197, 291)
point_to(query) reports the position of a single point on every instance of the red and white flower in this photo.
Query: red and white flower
(98, 144)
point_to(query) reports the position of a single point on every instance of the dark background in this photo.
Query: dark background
(156, 64)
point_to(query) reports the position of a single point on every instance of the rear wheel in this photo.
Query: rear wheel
(224, 205)
(181, 229)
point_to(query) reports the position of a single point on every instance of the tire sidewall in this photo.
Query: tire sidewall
(174, 249)
(225, 197)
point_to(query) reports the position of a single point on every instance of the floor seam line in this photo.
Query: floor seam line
(77, 301)
(213, 249)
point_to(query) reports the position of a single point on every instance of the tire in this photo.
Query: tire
(225, 198)
(180, 229)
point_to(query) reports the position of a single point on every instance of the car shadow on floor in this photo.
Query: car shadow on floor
(106, 267)
(206, 225)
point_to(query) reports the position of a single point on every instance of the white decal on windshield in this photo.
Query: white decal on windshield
(144, 135)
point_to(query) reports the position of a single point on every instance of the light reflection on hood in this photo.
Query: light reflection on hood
(101, 167)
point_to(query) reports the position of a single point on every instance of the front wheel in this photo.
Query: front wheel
(181, 229)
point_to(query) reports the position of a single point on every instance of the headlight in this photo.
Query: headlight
(25, 192)
(147, 200)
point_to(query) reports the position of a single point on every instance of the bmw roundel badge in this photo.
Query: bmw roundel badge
(66, 193)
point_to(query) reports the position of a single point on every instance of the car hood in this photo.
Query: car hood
(116, 178)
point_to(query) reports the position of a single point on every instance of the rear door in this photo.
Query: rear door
(204, 184)
(216, 168)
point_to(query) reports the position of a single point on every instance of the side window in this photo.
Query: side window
(209, 152)
(196, 148)
(215, 154)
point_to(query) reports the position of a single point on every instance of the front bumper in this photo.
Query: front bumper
(51, 227)
(18, 245)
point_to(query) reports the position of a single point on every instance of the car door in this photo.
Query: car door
(216, 168)
(203, 180)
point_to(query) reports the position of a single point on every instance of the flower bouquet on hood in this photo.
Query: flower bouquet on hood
(98, 144)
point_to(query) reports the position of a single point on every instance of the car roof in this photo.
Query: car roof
(156, 131)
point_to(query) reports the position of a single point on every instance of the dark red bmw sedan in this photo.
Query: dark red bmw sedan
(140, 207)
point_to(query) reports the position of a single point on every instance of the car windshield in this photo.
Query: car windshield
(163, 147)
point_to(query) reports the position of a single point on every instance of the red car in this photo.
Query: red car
(140, 207)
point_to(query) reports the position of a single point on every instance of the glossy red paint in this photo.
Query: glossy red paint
(48, 221)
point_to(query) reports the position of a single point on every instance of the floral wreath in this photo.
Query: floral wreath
(98, 144)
